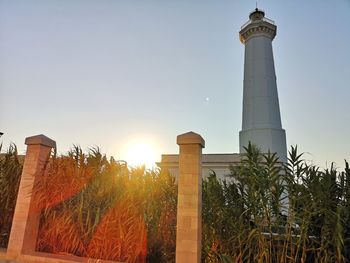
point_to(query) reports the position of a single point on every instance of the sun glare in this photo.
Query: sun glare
(141, 154)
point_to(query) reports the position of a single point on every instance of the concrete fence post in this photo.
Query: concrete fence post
(189, 207)
(26, 218)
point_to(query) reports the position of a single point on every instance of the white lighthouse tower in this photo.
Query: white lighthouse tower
(261, 120)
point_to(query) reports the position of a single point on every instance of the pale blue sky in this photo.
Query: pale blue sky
(110, 72)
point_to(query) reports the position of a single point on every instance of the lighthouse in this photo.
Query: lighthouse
(261, 122)
(261, 119)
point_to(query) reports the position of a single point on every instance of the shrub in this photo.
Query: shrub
(95, 207)
(244, 219)
(10, 175)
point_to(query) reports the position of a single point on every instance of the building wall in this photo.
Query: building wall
(219, 163)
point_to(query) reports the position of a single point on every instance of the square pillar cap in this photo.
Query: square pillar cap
(40, 139)
(190, 138)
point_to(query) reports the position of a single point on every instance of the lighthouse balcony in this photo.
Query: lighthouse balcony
(265, 19)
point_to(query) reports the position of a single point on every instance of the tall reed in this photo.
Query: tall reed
(95, 207)
(10, 176)
(244, 219)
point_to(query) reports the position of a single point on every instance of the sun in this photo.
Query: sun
(141, 154)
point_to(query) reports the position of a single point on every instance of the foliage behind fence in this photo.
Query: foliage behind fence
(97, 207)
(10, 174)
(244, 221)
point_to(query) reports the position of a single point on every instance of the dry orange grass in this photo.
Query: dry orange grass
(97, 208)
(59, 233)
(61, 179)
(121, 235)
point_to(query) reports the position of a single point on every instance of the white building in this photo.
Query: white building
(219, 163)
(261, 120)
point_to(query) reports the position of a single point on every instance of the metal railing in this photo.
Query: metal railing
(263, 19)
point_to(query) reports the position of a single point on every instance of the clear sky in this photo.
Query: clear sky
(116, 73)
